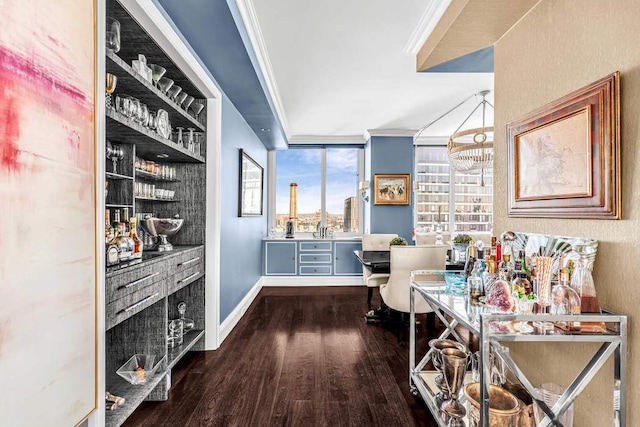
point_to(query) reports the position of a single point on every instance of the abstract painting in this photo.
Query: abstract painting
(48, 332)
(564, 158)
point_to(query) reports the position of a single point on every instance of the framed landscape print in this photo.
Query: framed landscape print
(391, 189)
(48, 320)
(251, 177)
(564, 159)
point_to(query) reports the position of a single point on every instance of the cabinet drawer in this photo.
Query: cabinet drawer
(187, 267)
(134, 302)
(315, 258)
(315, 270)
(131, 281)
(315, 246)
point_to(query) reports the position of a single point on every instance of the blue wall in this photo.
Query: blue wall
(240, 238)
(390, 154)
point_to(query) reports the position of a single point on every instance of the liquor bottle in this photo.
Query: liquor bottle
(523, 265)
(111, 253)
(506, 267)
(490, 275)
(125, 247)
(125, 220)
(137, 242)
(471, 259)
(107, 224)
(520, 285)
(565, 300)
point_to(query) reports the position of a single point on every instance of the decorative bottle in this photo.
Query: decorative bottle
(137, 242)
(565, 300)
(490, 275)
(582, 280)
(520, 285)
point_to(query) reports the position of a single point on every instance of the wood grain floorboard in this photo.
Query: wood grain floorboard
(299, 357)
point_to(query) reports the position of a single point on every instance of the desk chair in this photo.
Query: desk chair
(374, 242)
(404, 259)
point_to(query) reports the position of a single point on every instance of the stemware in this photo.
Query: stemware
(187, 102)
(174, 91)
(117, 153)
(179, 139)
(156, 73)
(190, 140)
(197, 107)
(454, 369)
(437, 345)
(181, 97)
(164, 84)
(113, 35)
(110, 87)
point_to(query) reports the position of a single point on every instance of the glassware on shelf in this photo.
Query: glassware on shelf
(582, 280)
(112, 33)
(566, 301)
(110, 87)
(188, 323)
(174, 91)
(114, 153)
(525, 306)
(156, 73)
(454, 369)
(543, 277)
(179, 139)
(436, 346)
(164, 84)
(144, 115)
(176, 333)
(181, 97)
(550, 393)
(187, 102)
(197, 107)
(190, 140)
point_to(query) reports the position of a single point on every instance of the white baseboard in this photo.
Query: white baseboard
(312, 281)
(234, 317)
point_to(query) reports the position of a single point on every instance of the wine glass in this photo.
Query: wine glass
(110, 87)
(156, 73)
(113, 35)
(117, 153)
(187, 102)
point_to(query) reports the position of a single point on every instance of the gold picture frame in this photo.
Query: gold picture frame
(564, 158)
(392, 189)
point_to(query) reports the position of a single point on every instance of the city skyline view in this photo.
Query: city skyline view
(303, 167)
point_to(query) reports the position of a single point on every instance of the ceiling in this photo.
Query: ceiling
(303, 71)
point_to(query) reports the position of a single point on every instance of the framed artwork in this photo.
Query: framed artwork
(391, 189)
(48, 276)
(250, 194)
(564, 158)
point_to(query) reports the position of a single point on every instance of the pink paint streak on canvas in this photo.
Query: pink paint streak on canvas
(9, 129)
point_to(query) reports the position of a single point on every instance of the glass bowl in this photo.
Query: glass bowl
(138, 368)
(456, 283)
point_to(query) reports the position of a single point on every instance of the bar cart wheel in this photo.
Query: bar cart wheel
(414, 390)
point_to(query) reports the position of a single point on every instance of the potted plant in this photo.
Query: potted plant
(460, 244)
(398, 241)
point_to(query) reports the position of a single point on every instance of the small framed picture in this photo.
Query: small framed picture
(391, 189)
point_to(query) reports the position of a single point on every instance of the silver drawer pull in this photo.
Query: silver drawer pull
(188, 262)
(136, 282)
(139, 303)
(189, 277)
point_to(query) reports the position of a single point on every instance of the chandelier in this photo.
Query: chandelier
(470, 149)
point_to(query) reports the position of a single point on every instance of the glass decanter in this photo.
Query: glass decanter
(582, 280)
(188, 323)
(565, 300)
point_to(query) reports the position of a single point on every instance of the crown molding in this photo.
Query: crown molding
(252, 25)
(390, 132)
(428, 21)
(326, 139)
(430, 140)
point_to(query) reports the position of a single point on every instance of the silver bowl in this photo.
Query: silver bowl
(162, 228)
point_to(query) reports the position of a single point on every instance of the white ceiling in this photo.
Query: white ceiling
(339, 68)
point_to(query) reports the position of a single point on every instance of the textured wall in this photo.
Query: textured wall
(240, 238)
(391, 155)
(561, 46)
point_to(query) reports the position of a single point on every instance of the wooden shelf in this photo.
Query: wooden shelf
(133, 394)
(153, 199)
(111, 175)
(108, 205)
(131, 83)
(148, 144)
(152, 177)
(176, 353)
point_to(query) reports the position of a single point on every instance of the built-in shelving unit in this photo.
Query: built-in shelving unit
(142, 297)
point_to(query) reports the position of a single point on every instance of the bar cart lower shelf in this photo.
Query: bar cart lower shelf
(492, 329)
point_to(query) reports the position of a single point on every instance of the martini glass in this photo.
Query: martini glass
(156, 73)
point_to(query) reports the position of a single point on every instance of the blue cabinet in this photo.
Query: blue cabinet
(311, 258)
(281, 258)
(346, 263)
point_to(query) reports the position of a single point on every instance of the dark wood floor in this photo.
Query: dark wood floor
(299, 357)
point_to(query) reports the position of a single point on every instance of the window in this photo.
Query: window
(463, 202)
(318, 186)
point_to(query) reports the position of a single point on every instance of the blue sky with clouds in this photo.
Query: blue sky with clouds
(302, 166)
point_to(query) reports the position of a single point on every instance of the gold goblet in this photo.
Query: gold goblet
(110, 87)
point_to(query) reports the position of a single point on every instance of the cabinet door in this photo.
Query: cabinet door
(346, 263)
(280, 258)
